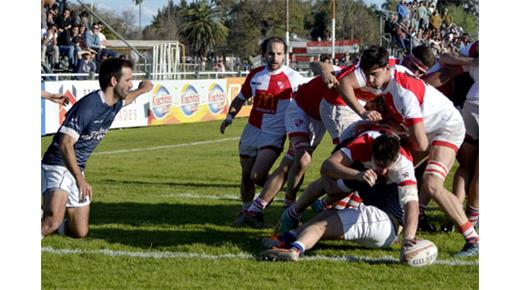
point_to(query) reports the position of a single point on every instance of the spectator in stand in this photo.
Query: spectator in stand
(402, 11)
(66, 46)
(92, 39)
(447, 20)
(86, 64)
(82, 37)
(83, 16)
(50, 46)
(52, 14)
(424, 16)
(64, 21)
(435, 20)
(103, 41)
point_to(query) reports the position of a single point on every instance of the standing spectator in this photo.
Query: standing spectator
(446, 18)
(402, 11)
(424, 16)
(435, 20)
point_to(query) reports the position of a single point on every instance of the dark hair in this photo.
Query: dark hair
(112, 67)
(424, 54)
(268, 41)
(373, 58)
(83, 14)
(386, 148)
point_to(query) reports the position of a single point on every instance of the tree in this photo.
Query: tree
(165, 24)
(203, 27)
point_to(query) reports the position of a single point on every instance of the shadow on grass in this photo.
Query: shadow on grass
(202, 217)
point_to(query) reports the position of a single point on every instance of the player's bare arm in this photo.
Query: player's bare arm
(234, 108)
(338, 167)
(450, 59)
(69, 156)
(411, 212)
(56, 98)
(143, 88)
(418, 138)
(326, 71)
(346, 88)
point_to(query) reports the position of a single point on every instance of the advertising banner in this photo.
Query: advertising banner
(233, 88)
(187, 101)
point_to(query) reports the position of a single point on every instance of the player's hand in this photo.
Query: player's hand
(368, 176)
(145, 86)
(59, 99)
(84, 189)
(226, 122)
(408, 243)
(329, 80)
(371, 116)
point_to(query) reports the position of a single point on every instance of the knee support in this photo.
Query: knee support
(436, 168)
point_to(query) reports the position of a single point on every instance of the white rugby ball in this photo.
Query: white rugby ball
(423, 253)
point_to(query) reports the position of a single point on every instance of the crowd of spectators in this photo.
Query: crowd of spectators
(68, 42)
(420, 22)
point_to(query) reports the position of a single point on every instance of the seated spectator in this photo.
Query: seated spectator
(86, 64)
(92, 39)
(103, 41)
(67, 47)
(49, 45)
(64, 21)
(446, 18)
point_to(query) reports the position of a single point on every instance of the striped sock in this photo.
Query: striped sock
(292, 213)
(472, 213)
(298, 246)
(354, 201)
(258, 205)
(468, 231)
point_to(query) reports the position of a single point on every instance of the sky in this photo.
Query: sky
(149, 7)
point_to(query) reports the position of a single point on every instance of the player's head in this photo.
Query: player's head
(385, 152)
(420, 60)
(374, 64)
(273, 50)
(116, 74)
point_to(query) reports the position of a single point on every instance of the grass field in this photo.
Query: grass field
(161, 219)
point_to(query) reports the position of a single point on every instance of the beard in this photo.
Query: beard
(120, 93)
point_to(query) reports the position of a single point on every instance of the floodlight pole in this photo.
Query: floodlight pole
(333, 30)
(287, 31)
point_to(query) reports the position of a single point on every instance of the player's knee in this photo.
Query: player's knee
(431, 187)
(79, 233)
(258, 178)
(331, 187)
(305, 160)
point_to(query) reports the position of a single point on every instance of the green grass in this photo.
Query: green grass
(160, 202)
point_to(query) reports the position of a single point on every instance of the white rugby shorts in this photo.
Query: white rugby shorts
(297, 122)
(368, 226)
(336, 118)
(451, 134)
(253, 140)
(59, 178)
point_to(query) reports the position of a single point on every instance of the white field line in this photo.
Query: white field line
(170, 255)
(187, 195)
(165, 146)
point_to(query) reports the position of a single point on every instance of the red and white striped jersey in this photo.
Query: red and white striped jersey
(410, 100)
(360, 150)
(272, 92)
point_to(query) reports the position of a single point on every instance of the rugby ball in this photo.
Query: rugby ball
(423, 253)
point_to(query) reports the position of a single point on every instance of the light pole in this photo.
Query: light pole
(333, 29)
(287, 31)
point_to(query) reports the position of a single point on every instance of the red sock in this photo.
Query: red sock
(468, 231)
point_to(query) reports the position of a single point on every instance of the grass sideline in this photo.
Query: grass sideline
(181, 200)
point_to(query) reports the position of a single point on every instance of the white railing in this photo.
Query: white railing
(157, 76)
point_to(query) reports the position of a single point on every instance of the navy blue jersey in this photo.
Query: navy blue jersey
(87, 121)
(382, 195)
